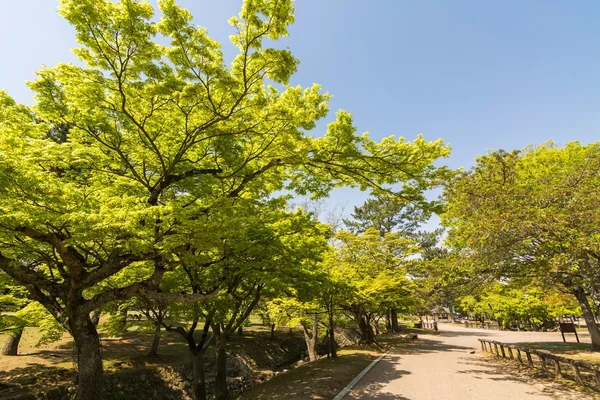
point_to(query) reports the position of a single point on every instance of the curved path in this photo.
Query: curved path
(449, 367)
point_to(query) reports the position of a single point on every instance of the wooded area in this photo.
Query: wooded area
(153, 179)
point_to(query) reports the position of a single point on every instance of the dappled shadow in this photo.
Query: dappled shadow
(33, 377)
(497, 369)
(444, 333)
(322, 379)
(424, 346)
(373, 384)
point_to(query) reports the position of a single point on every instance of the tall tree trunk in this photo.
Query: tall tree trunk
(221, 378)
(240, 331)
(311, 338)
(588, 316)
(395, 326)
(89, 361)
(388, 322)
(272, 331)
(155, 341)
(123, 319)
(451, 312)
(199, 383)
(11, 346)
(366, 332)
(332, 344)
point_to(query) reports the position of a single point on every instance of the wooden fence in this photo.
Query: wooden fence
(430, 325)
(483, 325)
(581, 372)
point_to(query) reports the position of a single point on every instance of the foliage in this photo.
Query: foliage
(523, 308)
(531, 217)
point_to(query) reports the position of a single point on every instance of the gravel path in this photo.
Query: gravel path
(449, 367)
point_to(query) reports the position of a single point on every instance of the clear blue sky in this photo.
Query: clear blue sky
(479, 74)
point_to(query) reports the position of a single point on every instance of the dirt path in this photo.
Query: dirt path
(450, 367)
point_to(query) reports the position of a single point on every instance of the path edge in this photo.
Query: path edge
(358, 377)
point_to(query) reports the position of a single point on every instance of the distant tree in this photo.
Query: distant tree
(532, 216)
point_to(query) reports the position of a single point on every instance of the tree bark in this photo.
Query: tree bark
(89, 361)
(394, 315)
(311, 338)
(155, 341)
(199, 383)
(388, 322)
(366, 332)
(588, 316)
(332, 343)
(11, 346)
(123, 313)
(221, 378)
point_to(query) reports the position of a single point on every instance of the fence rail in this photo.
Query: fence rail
(484, 325)
(430, 325)
(582, 372)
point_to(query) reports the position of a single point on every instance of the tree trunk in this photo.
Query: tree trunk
(332, 344)
(451, 312)
(395, 326)
(240, 331)
(123, 319)
(155, 341)
(588, 316)
(11, 346)
(89, 361)
(311, 338)
(366, 332)
(221, 378)
(272, 331)
(199, 383)
(388, 322)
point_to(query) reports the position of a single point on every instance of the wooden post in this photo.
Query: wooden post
(519, 356)
(529, 360)
(496, 348)
(557, 371)
(510, 353)
(503, 353)
(577, 374)
(543, 361)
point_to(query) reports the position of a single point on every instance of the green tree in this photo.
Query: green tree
(531, 216)
(400, 214)
(120, 151)
(376, 269)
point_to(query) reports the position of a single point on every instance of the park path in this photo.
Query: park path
(449, 367)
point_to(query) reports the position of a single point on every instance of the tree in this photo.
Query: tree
(531, 216)
(17, 312)
(376, 270)
(402, 215)
(117, 153)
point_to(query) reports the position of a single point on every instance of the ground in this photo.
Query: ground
(53, 365)
(450, 367)
(447, 366)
